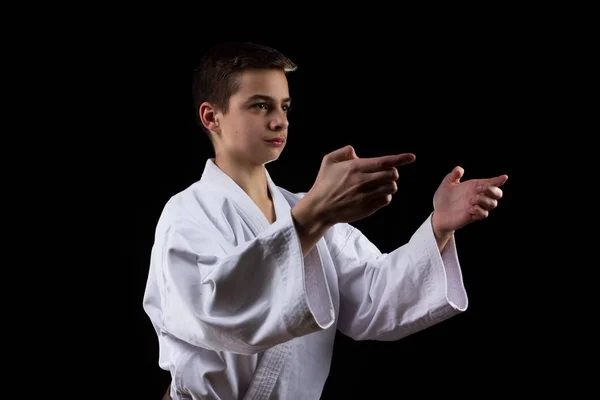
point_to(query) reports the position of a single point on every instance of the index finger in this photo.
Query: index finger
(375, 164)
(497, 181)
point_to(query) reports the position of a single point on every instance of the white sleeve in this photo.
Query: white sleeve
(390, 296)
(243, 298)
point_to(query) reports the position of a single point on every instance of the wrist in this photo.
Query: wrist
(310, 216)
(440, 232)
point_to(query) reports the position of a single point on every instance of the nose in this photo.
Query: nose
(279, 122)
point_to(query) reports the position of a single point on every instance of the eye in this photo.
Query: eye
(262, 106)
(266, 107)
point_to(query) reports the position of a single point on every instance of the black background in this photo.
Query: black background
(451, 102)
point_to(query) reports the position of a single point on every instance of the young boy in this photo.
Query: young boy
(249, 282)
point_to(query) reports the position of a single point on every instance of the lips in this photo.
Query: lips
(276, 140)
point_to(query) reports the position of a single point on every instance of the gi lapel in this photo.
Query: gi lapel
(267, 373)
(215, 177)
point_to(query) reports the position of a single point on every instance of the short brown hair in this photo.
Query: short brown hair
(215, 77)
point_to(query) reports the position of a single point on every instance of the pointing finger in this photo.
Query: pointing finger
(381, 163)
(498, 181)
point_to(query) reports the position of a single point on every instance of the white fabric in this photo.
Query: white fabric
(240, 314)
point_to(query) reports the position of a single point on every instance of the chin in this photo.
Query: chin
(272, 158)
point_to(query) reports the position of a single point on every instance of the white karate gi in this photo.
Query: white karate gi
(240, 314)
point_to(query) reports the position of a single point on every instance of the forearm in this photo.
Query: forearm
(441, 237)
(388, 296)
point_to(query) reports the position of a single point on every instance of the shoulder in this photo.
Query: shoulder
(198, 208)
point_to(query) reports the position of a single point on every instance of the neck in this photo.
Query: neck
(251, 178)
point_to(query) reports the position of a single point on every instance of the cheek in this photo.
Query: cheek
(245, 133)
(235, 134)
(249, 133)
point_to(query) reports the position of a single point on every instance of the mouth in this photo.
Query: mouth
(276, 141)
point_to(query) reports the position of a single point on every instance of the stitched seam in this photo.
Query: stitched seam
(345, 243)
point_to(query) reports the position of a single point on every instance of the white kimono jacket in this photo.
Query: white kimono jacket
(240, 314)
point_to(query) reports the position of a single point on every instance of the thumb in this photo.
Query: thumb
(344, 154)
(455, 175)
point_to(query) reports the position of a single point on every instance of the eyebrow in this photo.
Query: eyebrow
(266, 98)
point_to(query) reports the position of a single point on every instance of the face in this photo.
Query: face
(254, 129)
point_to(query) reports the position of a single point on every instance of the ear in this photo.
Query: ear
(208, 116)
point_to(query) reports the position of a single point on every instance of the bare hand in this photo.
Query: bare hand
(349, 188)
(457, 204)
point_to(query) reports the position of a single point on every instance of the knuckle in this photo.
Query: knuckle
(352, 182)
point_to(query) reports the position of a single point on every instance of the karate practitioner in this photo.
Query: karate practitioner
(249, 282)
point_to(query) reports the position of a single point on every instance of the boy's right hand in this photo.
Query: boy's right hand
(349, 188)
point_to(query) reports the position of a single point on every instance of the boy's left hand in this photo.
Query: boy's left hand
(457, 204)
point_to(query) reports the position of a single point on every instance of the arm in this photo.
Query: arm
(441, 237)
(390, 296)
(250, 296)
(243, 298)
